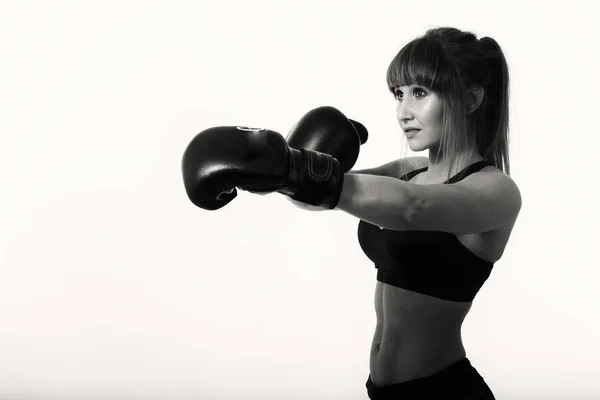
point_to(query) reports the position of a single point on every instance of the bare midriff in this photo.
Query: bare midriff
(416, 335)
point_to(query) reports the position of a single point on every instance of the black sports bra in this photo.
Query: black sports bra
(429, 262)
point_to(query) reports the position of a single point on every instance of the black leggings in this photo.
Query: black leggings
(459, 381)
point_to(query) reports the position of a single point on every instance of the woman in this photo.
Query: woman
(432, 226)
(437, 224)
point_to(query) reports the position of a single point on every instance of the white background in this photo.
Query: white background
(114, 286)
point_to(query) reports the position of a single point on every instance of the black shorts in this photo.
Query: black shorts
(459, 381)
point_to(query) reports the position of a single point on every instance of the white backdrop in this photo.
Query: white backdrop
(114, 286)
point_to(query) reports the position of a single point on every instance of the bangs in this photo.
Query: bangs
(421, 62)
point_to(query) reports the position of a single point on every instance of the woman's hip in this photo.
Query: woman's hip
(457, 381)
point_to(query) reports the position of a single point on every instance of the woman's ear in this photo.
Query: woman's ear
(476, 94)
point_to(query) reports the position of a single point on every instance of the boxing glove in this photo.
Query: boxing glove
(209, 179)
(327, 130)
(220, 159)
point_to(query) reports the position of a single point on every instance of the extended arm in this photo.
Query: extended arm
(392, 169)
(395, 168)
(480, 203)
(380, 200)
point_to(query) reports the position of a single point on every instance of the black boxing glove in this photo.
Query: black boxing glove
(220, 159)
(326, 130)
(313, 177)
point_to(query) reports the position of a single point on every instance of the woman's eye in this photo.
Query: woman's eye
(419, 92)
(416, 92)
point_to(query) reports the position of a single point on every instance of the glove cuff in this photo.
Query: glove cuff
(314, 178)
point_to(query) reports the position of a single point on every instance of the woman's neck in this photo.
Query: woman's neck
(437, 171)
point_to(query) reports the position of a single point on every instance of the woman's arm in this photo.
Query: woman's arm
(392, 169)
(380, 200)
(395, 168)
(481, 202)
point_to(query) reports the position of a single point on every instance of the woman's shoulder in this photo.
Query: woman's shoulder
(492, 170)
(492, 182)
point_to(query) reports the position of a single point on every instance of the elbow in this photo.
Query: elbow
(413, 212)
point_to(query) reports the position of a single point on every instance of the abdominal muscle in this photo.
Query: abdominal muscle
(416, 335)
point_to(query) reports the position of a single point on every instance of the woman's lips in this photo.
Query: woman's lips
(411, 133)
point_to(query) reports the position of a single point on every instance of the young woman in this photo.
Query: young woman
(434, 226)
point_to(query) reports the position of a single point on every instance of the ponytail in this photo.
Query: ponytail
(493, 140)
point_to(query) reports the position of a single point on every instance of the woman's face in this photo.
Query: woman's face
(419, 112)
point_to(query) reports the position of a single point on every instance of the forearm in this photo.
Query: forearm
(379, 200)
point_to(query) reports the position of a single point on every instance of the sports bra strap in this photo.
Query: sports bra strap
(411, 174)
(471, 169)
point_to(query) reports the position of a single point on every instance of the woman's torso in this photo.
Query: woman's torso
(418, 335)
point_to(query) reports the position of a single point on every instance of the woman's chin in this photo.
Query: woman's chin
(416, 146)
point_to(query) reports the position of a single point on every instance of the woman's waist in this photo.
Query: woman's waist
(394, 361)
(410, 340)
(401, 310)
(425, 328)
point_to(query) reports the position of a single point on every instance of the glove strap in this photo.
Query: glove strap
(314, 178)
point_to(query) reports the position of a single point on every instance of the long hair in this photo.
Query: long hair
(449, 61)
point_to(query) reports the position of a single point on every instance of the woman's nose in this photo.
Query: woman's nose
(404, 111)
